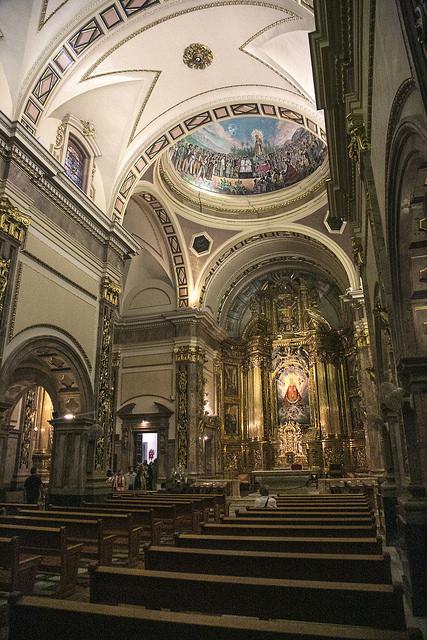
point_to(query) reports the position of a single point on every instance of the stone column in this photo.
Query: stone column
(25, 443)
(412, 504)
(13, 228)
(72, 460)
(109, 301)
(189, 362)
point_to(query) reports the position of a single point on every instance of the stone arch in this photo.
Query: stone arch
(50, 362)
(407, 233)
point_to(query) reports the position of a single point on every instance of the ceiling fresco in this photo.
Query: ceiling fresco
(247, 156)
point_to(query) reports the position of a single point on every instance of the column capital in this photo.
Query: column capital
(13, 222)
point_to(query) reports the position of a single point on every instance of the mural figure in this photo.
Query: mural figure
(247, 155)
(292, 396)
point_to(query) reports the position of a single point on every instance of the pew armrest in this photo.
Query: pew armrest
(25, 575)
(69, 567)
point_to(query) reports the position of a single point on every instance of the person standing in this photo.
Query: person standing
(32, 487)
(130, 479)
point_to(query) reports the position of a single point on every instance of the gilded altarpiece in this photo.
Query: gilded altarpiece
(285, 385)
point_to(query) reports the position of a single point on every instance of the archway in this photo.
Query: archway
(42, 378)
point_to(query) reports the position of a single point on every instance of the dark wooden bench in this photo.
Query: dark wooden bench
(216, 503)
(56, 550)
(201, 505)
(306, 512)
(96, 543)
(127, 534)
(266, 564)
(302, 518)
(376, 605)
(361, 546)
(176, 516)
(142, 517)
(245, 527)
(64, 619)
(18, 570)
(10, 508)
(315, 508)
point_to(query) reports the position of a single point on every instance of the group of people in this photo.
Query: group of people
(143, 479)
(276, 169)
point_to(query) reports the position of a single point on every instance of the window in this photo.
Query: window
(75, 161)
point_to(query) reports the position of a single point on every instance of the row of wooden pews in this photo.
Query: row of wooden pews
(296, 572)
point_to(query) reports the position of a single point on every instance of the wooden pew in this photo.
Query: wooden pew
(245, 527)
(120, 525)
(202, 505)
(217, 501)
(142, 517)
(174, 515)
(315, 508)
(305, 512)
(10, 508)
(377, 605)
(302, 517)
(64, 619)
(54, 547)
(18, 571)
(266, 564)
(272, 544)
(96, 543)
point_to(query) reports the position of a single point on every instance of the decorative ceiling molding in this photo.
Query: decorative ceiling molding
(336, 256)
(144, 104)
(43, 13)
(94, 30)
(287, 78)
(176, 253)
(201, 7)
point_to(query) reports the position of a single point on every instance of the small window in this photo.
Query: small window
(75, 161)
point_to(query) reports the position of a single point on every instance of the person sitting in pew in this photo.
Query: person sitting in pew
(264, 500)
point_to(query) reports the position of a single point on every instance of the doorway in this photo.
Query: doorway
(145, 446)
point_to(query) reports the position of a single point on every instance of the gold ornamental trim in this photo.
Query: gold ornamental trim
(12, 221)
(4, 273)
(190, 354)
(197, 56)
(110, 291)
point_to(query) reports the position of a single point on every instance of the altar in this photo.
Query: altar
(277, 480)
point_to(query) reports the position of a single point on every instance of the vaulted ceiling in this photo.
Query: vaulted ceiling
(120, 65)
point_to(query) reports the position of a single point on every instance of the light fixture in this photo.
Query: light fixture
(69, 416)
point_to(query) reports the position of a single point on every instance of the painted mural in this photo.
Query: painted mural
(247, 156)
(292, 395)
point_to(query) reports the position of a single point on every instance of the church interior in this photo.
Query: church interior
(213, 268)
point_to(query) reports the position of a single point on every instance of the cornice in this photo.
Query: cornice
(178, 319)
(18, 145)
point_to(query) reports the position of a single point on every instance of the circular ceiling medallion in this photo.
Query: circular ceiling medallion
(197, 56)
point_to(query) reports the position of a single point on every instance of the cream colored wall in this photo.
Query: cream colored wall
(147, 376)
(59, 283)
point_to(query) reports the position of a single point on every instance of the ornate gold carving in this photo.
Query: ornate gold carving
(420, 12)
(28, 423)
(4, 274)
(358, 139)
(189, 353)
(357, 250)
(182, 418)
(59, 140)
(88, 128)
(105, 400)
(110, 291)
(197, 56)
(12, 221)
